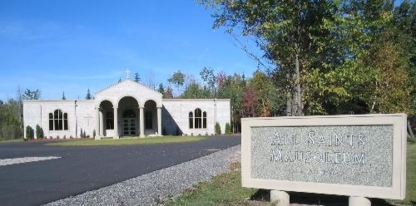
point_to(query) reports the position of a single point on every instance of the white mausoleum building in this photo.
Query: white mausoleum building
(126, 109)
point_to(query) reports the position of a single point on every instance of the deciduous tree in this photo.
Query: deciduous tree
(178, 78)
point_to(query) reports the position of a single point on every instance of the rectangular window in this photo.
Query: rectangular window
(50, 121)
(198, 124)
(204, 120)
(58, 124)
(50, 124)
(191, 120)
(65, 121)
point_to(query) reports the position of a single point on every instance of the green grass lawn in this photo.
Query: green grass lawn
(411, 176)
(226, 189)
(127, 141)
(4, 140)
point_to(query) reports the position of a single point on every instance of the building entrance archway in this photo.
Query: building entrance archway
(129, 121)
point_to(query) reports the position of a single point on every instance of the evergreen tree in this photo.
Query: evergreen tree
(161, 89)
(29, 132)
(137, 77)
(63, 96)
(31, 95)
(39, 132)
(88, 97)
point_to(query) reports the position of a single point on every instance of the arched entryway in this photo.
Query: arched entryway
(106, 127)
(150, 118)
(130, 123)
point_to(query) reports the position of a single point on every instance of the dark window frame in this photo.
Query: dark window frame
(58, 120)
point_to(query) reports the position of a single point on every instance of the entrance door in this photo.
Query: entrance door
(129, 126)
(129, 123)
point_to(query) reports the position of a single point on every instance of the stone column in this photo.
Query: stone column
(116, 135)
(159, 121)
(97, 124)
(141, 121)
(102, 128)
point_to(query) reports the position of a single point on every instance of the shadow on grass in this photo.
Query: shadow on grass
(261, 195)
(313, 199)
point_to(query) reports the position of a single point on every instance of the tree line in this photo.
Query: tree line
(11, 113)
(331, 57)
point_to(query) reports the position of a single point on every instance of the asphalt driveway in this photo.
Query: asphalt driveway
(81, 169)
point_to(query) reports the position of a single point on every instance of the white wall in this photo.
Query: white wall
(36, 112)
(175, 114)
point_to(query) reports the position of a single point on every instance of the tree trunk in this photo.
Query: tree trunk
(298, 106)
(410, 132)
(289, 99)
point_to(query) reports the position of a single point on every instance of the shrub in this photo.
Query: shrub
(217, 128)
(93, 133)
(39, 132)
(227, 128)
(29, 132)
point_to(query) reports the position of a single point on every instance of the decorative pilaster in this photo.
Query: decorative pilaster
(141, 121)
(116, 135)
(159, 121)
(97, 124)
(102, 128)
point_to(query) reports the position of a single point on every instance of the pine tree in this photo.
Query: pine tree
(161, 89)
(88, 97)
(137, 77)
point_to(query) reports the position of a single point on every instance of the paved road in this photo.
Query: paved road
(87, 168)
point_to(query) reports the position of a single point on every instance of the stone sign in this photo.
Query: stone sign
(354, 155)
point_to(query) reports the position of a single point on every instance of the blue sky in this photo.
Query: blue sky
(74, 45)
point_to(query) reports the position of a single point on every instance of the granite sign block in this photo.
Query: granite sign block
(354, 155)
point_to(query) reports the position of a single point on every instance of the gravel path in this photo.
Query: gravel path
(155, 187)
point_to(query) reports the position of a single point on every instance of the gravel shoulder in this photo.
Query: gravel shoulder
(155, 187)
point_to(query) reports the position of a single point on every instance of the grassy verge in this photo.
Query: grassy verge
(4, 140)
(411, 176)
(226, 189)
(127, 141)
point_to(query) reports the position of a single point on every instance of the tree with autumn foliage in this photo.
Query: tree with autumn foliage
(249, 102)
(169, 93)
